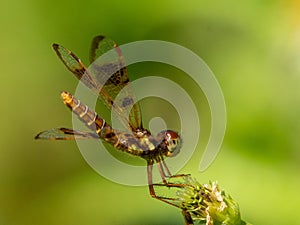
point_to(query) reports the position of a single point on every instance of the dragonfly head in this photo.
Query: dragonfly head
(172, 142)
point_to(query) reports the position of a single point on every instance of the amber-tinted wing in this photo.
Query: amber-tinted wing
(74, 64)
(105, 77)
(65, 134)
(108, 64)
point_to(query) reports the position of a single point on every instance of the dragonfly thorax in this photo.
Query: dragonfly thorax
(166, 143)
(139, 133)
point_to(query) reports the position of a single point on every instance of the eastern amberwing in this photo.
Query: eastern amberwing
(106, 81)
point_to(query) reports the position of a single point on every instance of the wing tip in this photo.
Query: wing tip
(38, 136)
(98, 38)
(55, 46)
(94, 45)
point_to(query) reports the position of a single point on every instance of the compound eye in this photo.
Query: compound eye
(173, 142)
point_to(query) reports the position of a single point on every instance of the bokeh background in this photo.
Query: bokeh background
(253, 47)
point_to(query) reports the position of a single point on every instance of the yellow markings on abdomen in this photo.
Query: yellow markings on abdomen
(88, 116)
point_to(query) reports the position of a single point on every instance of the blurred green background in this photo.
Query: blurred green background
(253, 47)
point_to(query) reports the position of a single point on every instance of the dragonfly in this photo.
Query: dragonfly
(106, 80)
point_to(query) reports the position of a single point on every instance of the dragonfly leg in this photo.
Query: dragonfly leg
(165, 184)
(187, 217)
(166, 168)
(161, 166)
(152, 191)
(169, 175)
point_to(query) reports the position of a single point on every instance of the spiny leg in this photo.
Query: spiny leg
(169, 173)
(165, 184)
(162, 166)
(152, 191)
(166, 168)
(187, 216)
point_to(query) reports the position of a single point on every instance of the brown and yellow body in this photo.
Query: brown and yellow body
(107, 80)
(140, 143)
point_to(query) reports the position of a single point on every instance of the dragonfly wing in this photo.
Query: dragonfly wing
(106, 78)
(65, 134)
(74, 64)
(100, 45)
(108, 65)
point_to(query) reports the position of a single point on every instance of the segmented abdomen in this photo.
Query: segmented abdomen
(119, 139)
(88, 116)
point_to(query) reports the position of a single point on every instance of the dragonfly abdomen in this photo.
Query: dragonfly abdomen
(88, 116)
(144, 146)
